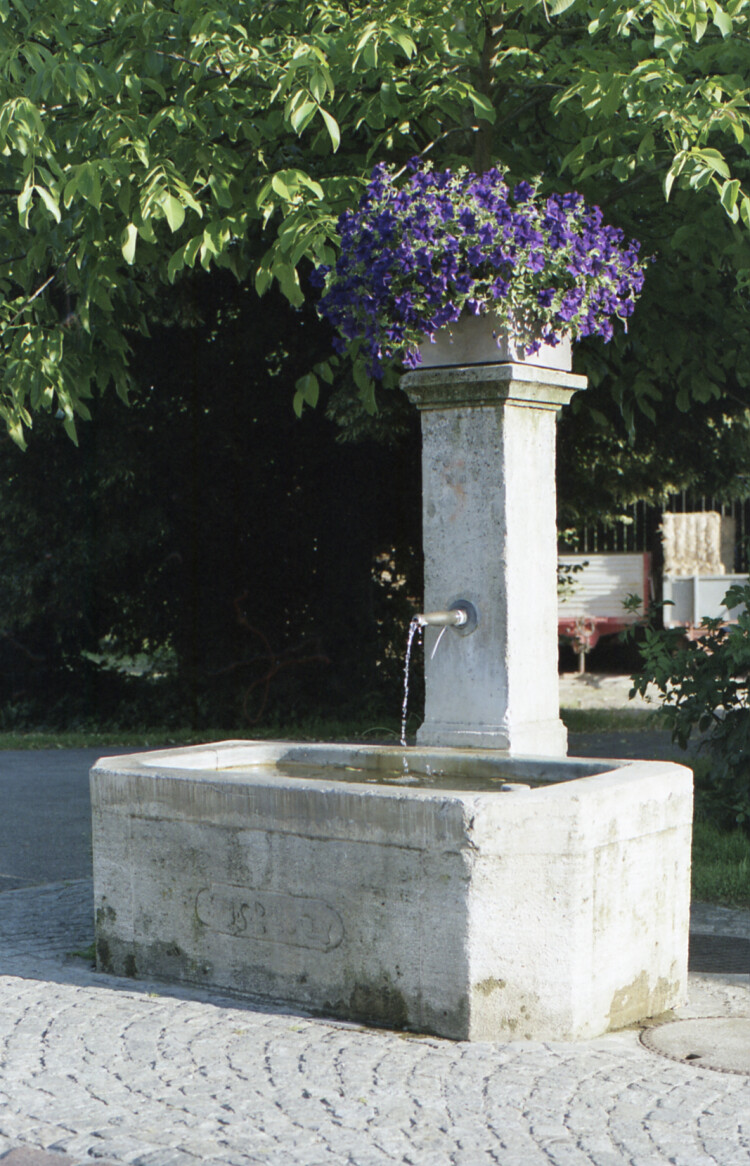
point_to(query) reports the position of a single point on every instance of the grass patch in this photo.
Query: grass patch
(386, 732)
(136, 739)
(380, 730)
(721, 865)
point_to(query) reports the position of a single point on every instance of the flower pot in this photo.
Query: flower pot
(489, 340)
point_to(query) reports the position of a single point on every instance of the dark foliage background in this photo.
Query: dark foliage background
(238, 562)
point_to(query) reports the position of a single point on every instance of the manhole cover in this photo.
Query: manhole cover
(708, 1042)
(719, 953)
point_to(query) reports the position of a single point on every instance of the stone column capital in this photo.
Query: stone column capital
(518, 384)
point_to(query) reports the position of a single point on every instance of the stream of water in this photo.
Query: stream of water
(414, 627)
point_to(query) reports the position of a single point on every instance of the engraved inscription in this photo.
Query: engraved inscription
(269, 916)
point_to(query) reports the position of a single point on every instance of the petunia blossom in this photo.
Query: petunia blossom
(413, 257)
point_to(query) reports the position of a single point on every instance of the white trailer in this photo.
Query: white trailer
(592, 604)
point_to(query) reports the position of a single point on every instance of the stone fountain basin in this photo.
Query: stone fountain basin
(476, 897)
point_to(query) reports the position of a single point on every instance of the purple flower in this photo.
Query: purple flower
(523, 192)
(571, 302)
(318, 275)
(413, 257)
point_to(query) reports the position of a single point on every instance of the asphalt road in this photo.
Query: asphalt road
(45, 819)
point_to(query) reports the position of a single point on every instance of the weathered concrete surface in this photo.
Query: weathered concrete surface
(552, 912)
(490, 537)
(96, 1068)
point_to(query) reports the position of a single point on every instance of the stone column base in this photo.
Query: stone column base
(534, 739)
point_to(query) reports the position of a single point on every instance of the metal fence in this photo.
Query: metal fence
(639, 528)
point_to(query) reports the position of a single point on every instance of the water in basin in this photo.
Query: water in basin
(398, 776)
(395, 767)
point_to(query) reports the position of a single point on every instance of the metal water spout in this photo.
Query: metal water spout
(455, 618)
(462, 615)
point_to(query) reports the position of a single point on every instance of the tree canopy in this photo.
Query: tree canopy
(142, 138)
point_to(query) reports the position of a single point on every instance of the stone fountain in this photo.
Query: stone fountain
(480, 885)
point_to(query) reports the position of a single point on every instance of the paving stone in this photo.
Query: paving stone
(28, 1156)
(117, 1072)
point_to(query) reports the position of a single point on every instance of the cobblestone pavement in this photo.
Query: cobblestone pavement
(93, 1067)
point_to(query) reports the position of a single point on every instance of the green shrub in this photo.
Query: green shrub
(705, 693)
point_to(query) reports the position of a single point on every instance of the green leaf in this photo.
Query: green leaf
(389, 99)
(714, 160)
(482, 106)
(645, 150)
(280, 187)
(191, 250)
(174, 211)
(52, 204)
(333, 129)
(219, 185)
(24, 202)
(557, 7)
(89, 184)
(70, 189)
(404, 42)
(669, 182)
(704, 389)
(16, 433)
(100, 296)
(729, 192)
(324, 369)
(176, 264)
(128, 241)
(289, 283)
(302, 115)
(69, 425)
(366, 36)
(307, 393)
(310, 183)
(263, 280)
(723, 22)
(318, 86)
(124, 198)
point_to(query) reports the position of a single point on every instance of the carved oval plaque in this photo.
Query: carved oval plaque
(269, 916)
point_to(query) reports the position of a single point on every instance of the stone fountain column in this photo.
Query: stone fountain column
(490, 537)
